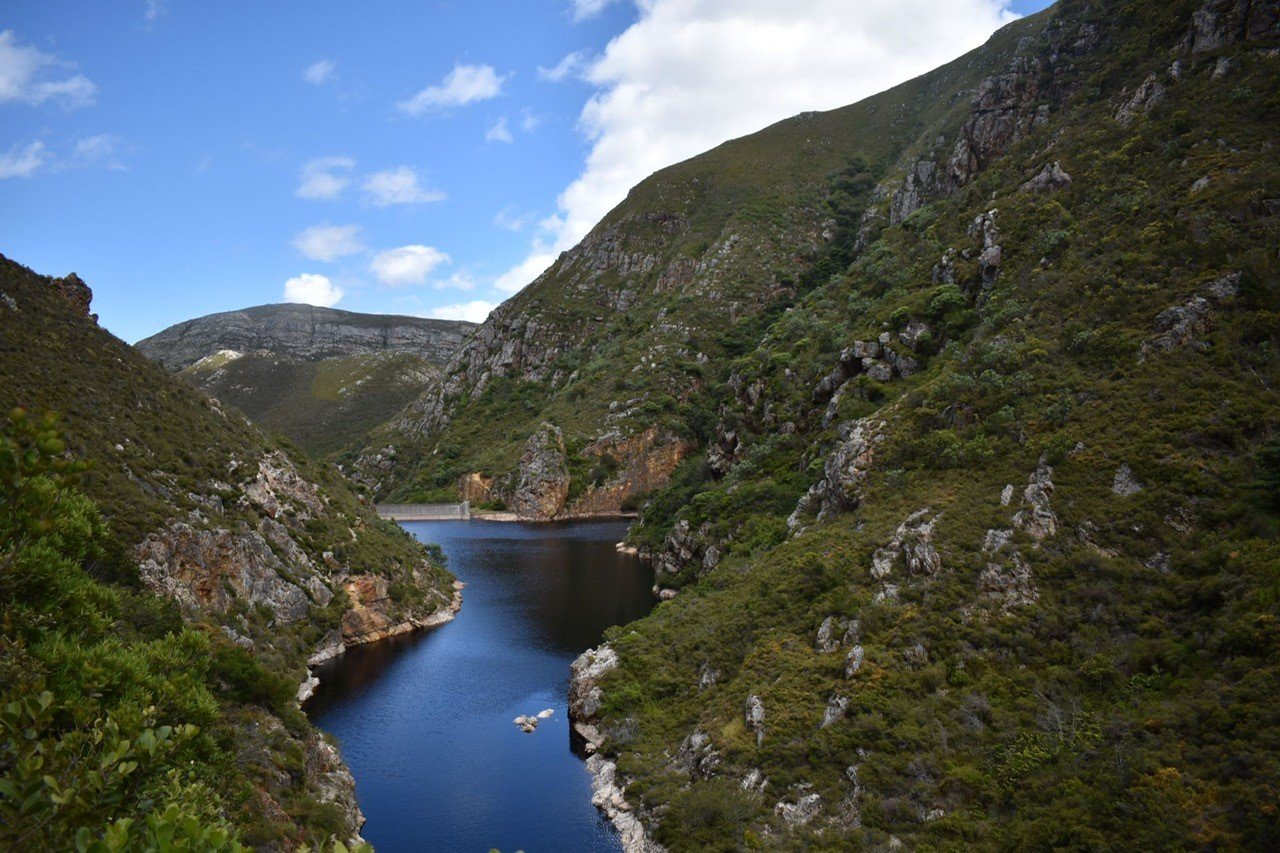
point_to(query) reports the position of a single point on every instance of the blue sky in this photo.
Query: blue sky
(425, 157)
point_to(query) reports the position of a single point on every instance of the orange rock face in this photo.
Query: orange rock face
(648, 463)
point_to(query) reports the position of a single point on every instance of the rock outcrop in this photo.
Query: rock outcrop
(306, 332)
(543, 483)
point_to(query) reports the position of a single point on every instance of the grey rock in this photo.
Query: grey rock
(1038, 520)
(753, 715)
(1148, 94)
(543, 483)
(697, 757)
(800, 812)
(304, 331)
(1051, 177)
(1008, 584)
(1125, 483)
(835, 710)
(853, 662)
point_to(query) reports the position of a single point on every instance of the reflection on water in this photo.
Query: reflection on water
(425, 719)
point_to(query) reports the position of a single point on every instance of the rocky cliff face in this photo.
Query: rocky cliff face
(305, 332)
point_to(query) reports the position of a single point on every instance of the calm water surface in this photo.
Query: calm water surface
(425, 720)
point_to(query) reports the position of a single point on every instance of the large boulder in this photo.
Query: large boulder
(543, 483)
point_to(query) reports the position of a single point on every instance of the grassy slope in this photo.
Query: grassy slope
(161, 450)
(1130, 706)
(323, 406)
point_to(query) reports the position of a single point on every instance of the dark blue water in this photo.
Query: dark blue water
(424, 721)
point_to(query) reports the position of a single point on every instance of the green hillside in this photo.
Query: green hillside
(182, 581)
(324, 406)
(974, 540)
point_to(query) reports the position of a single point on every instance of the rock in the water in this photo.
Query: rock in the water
(525, 723)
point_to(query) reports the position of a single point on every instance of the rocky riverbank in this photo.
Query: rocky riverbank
(608, 790)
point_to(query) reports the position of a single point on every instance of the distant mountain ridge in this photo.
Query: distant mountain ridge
(321, 376)
(303, 331)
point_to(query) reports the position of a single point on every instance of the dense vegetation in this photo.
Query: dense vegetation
(115, 717)
(322, 406)
(1131, 703)
(93, 660)
(1057, 553)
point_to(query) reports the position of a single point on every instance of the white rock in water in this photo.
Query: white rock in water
(526, 724)
(542, 715)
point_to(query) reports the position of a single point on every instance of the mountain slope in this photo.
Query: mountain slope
(611, 342)
(269, 557)
(982, 551)
(322, 377)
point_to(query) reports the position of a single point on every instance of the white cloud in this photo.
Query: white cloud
(154, 9)
(540, 257)
(30, 75)
(569, 66)
(529, 120)
(328, 242)
(512, 220)
(318, 73)
(583, 9)
(463, 85)
(407, 264)
(457, 281)
(23, 161)
(312, 289)
(325, 177)
(690, 74)
(102, 149)
(398, 186)
(474, 311)
(499, 132)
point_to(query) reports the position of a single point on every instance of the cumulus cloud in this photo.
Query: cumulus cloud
(570, 66)
(31, 76)
(398, 186)
(312, 289)
(325, 177)
(583, 9)
(457, 281)
(23, 161)
(690, 74)
(499, 132)
(318, 73)
(475, 311)
(407, 264)
(465, 84)
(328, 242)
(539, 258)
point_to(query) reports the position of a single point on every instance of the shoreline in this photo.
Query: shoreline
(506, 515)
(330, 651)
